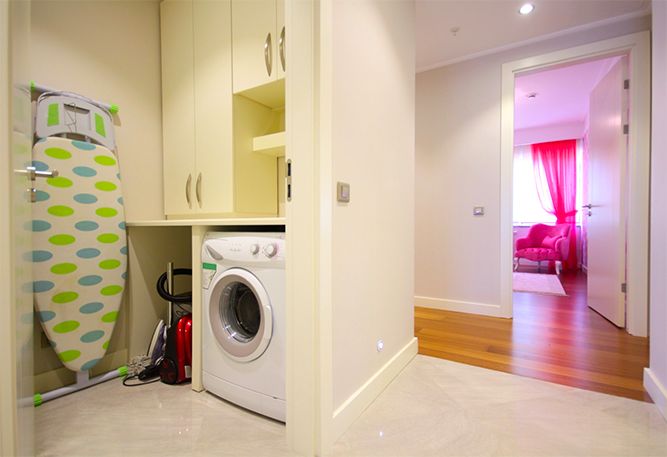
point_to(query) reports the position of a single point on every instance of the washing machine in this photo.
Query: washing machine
(244, 317)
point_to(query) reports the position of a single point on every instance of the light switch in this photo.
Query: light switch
(343, 192)
(478, 211)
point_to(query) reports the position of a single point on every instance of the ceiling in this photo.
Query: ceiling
(490, 24)
(562, 94)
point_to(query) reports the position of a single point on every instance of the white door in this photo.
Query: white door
(606, 192)
(16, 315)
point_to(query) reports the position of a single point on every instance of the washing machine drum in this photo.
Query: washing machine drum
(240, 315)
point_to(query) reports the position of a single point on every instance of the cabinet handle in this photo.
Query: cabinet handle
(198, 190)
(187, 190)
(268, 54)
(281, 45)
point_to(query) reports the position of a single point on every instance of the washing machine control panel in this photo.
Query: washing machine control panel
(245, 249)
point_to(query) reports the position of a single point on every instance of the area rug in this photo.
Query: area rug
(538, 284)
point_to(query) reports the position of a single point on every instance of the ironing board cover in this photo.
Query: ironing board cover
(79, 248)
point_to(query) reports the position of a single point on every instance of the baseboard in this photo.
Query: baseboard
(656, 390)
(459, 306)
(352, 408)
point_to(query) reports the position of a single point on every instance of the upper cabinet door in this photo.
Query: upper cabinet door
(281, 42)
(178, 115)
(254, 43)
(214, 183)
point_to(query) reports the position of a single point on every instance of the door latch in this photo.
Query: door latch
(288, 179)
(32, 173)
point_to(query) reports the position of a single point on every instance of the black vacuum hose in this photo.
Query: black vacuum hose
(185, 298)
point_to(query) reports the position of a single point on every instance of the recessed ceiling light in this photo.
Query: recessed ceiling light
(526, 8)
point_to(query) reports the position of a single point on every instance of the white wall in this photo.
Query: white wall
(373, 150)
(458, 167)
(110, 51)
(655, 378)
(554, 132)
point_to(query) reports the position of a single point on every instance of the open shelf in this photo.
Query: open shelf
(272, 144)
(271, 95)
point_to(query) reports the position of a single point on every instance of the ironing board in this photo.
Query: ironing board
(80, 250)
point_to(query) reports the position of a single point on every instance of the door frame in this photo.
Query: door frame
(8, 406)
(16, 314)
(308, 356)
(637, 47)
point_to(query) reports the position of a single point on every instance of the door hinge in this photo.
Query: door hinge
(626, 84)
(624, 288)
(626, 129)
(288, 179)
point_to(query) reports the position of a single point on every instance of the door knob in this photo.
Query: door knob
(589, 206)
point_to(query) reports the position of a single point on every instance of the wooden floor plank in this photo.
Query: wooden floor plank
(553, 338)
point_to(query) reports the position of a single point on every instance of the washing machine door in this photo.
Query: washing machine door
(240, 314)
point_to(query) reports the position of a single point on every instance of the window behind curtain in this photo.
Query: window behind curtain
(527, 207)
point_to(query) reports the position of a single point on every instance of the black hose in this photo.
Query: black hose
(185, 298)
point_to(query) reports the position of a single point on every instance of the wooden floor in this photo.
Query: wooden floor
(557, 339)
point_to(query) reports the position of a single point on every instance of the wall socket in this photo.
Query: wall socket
(478, 211)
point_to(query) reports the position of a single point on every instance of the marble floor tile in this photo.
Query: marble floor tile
(433, 408)
(441, 408)
(156, 419)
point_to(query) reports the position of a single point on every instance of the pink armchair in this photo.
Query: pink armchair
(544, 242)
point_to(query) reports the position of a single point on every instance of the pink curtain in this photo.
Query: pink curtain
(556, 166)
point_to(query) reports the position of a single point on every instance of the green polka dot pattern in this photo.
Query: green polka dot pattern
(83, 300)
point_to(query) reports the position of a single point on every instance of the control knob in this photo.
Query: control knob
(254, 249)
(270, 250)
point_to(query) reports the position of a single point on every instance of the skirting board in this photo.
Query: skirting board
(459, 306)
(656, 390)
(352, 408)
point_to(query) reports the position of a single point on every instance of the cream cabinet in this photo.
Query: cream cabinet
(178, 108)
(258, 39)
(197, 107)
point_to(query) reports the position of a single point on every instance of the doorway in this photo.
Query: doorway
(570, 150)
(636, 47)
(569, 253)
(603, 292)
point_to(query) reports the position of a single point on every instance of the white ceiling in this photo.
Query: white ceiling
(489, 24)
(562, 94)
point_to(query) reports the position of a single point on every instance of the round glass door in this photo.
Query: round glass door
(240, 315)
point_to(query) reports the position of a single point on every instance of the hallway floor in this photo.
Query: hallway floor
(553, 338)
(434, 407)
